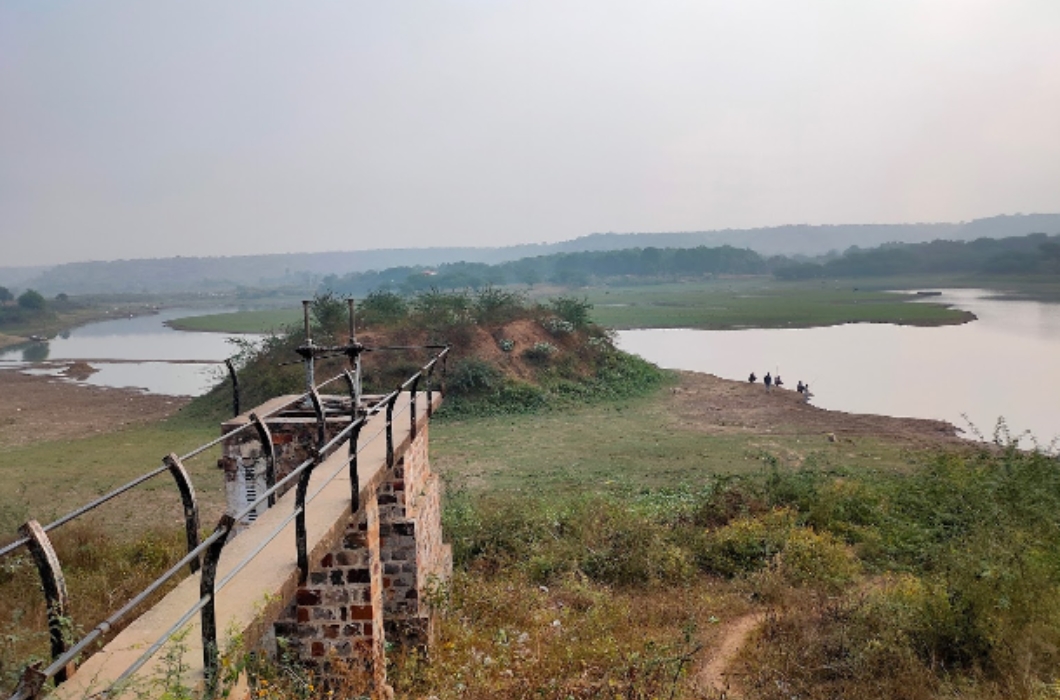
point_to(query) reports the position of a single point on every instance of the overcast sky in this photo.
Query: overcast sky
(143, 129)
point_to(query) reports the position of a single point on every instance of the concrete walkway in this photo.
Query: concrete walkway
(253, 597)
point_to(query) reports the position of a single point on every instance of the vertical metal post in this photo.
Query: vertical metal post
(54, 586)
(355, 477)
(265, 437)
(351, 386)
(430, 389)
(208, 614)
(445, 368)
(390, 427)
(318, 408)
(310, 369)
(412, 405)
(353, 328)
(235, 387)
(191, 505)
(300, 536)
(355, 358)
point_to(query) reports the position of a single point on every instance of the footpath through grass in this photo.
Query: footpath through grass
(880, 572)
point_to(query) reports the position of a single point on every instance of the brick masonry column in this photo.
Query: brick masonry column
(414, 556)
(335, 623)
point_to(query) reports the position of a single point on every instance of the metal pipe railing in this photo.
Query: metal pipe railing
(204, 556)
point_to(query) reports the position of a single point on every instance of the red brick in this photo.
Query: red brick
(360, 612)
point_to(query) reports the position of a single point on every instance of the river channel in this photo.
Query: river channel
(140, 352)
(1005, 365)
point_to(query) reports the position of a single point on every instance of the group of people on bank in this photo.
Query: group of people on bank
(771, 382)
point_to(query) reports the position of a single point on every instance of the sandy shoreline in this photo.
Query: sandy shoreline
(37, 408)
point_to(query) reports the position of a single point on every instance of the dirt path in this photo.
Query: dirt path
(713, 677)
(38, 408)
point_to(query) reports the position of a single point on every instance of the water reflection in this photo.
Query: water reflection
(137, 352)
(1001, 366)
(35, 352)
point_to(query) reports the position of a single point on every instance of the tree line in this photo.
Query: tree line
(1035, 253)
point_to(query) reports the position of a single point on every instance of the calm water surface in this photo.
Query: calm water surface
(137, 352)
(1004, 365)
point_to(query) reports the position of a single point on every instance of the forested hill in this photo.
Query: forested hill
(1031, 254)
(304, 271)
(803, 239)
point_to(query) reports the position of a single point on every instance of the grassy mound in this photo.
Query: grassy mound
(508, 354)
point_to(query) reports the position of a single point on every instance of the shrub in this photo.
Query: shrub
(746, 544)
(497, 306)
(557, 326)
(438, 309)
(574, 311)
(471, 376)
(540, 352)
(812, 559)
(382, 307)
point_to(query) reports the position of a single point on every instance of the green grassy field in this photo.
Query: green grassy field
(261, 321)
(759, 303)
(44, 480)
(618, 447)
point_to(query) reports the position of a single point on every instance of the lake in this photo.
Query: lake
(1004, 365)
(137, 352)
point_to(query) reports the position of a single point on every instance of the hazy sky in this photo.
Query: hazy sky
(143, 129)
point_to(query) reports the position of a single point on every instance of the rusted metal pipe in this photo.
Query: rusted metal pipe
(412, 405)
(300, 536)
(208, 614)
(191, 505)
(390, 427)
(265, 437)
(306, 351)
(53, 583)
(318, 409)
(235, 387)
(355, 477)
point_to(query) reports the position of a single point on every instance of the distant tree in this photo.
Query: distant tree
(329, 313)
(5, 295)
(1050, 251)
(575, 311)
(529, 276)
(62, 297)
(382, 307)
(31, 300)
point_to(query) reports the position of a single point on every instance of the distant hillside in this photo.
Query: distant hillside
(803, 239)
(306, 270)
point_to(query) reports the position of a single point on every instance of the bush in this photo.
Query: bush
(31, 300)
(381, 308)
(497, 306)
(574, 311)
(471, 376)
(557, 326)
(747, 544)
(539, 353)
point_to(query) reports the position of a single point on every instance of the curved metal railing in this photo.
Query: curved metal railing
(203, 556)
